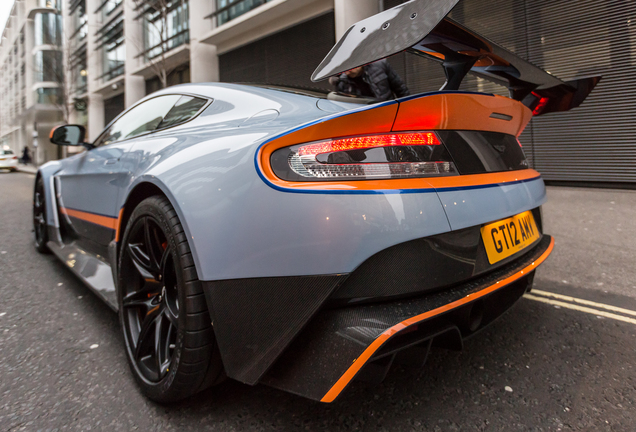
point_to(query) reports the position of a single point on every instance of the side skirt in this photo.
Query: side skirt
(93, 270)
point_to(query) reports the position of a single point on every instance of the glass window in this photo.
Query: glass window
(227, 10)
(114, 51)
(81, 75)
(50, 96)
(57, 4)
(48, 66)
(48, 29)
(171, 22)
(109, 7)
(80, 23)
(185, 108)
(141, 119)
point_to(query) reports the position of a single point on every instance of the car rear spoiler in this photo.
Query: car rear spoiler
(421, 27)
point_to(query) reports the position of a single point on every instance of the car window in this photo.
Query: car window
(185, 108)
(141, 119)
(6, 152)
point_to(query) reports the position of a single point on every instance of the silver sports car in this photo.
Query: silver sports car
(302, 240)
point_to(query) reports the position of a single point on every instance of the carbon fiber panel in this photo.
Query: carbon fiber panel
(255, 319)
(416, 266)
(335, 338)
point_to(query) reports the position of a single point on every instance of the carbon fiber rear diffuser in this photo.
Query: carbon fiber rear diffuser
(362, 342)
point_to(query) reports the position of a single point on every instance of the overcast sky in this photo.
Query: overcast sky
(5, 8)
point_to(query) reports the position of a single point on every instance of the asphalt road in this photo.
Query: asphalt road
(564, 369)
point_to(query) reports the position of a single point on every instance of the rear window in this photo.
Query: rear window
(6, 152)
(185, 108)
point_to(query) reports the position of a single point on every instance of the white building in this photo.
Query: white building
(30, 56)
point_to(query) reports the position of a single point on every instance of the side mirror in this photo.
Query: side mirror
(69, 135)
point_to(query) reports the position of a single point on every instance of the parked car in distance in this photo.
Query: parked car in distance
(8, 160)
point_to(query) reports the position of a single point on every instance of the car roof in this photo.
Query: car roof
(208, 90)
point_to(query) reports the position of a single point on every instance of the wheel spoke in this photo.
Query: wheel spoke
(144, 296)
(159, 345)
(151, 241)
(171, 317)
(162, 264)
(171, 330)
(146, 325)
(141, 261)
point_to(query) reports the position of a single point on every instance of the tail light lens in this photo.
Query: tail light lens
(387, 156)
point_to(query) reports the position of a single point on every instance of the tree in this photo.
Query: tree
(165, 27)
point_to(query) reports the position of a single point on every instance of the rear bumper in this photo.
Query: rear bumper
(8, 163)
(339, 345)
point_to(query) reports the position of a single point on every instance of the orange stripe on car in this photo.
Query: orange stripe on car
(105, 221)
(344, 380)
(456, 111)
(118, 231)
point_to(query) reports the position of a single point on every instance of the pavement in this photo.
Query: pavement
(29, 169)
(562, 359)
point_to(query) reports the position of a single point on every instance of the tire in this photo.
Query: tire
(40, 227)
(164, 317)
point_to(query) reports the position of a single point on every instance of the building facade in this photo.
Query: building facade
(118, 51)
(31, 57)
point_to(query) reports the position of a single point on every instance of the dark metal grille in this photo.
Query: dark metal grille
(593, 143)
(286, 58)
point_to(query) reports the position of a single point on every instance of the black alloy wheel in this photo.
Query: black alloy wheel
(40, 228)
(166, 324)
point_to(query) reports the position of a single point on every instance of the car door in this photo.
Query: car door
(90, 185)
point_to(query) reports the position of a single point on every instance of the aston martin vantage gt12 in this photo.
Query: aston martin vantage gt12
(300, 240)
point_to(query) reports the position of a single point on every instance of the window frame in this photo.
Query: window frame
(208, 102)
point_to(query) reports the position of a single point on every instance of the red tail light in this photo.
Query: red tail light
(365, 142)
(402, 155)
(543, 101)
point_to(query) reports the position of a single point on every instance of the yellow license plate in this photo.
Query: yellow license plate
(508, 236)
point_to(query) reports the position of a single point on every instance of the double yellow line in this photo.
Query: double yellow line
(598, 309)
